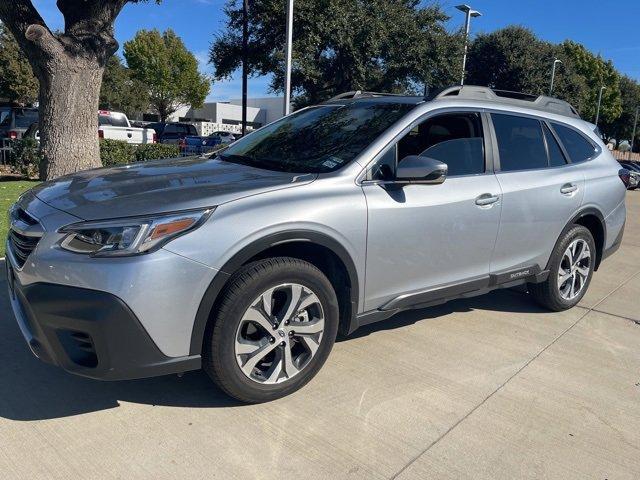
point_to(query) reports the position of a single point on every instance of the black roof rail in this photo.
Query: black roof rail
(542, 102)
(362, 94)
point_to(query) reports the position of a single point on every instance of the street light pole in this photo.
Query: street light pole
(553, 74)
(633, 137)
(245, 60)
(599, 103)
(289, 48)
(469, 13)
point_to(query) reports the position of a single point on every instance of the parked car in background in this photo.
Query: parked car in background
(196, 145)
(630, 165)
(116, 126)
(224, 137)
(634, 174)
(15, 121)
(173, 132)
(337, 216)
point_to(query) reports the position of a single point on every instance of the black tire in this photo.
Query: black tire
(219, 359)
(547, 293)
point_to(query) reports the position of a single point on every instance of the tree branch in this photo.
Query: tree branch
(90, 23)
(29, 29)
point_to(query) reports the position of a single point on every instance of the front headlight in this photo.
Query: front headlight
(130, 236)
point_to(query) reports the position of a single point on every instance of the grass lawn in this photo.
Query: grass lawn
(9, 193)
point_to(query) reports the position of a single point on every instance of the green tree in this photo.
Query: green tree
(379, 45)
(18, 84)
(120, 91)
(168, 69)
(512, 58)
(621, 128)
(69, 66)
(596, 72)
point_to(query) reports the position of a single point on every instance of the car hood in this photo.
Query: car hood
(160, 187)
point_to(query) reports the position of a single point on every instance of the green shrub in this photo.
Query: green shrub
(156, 151)
(25, 157)
(116, 152)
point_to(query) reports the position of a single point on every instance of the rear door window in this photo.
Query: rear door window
(520, 142)
(26, 118)
(171, 129)
(578, 147)
(119, 120)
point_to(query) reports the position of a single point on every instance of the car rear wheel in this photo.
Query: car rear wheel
(570, 271)
(275, 327)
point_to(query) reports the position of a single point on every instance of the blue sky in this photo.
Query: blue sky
(608, 28)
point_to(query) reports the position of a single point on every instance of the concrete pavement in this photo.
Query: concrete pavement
(491, 387)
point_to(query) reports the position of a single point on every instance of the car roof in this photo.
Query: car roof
(468, 93)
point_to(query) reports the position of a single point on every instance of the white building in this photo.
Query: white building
(227, 116)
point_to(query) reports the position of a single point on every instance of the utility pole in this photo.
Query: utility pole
(553, 74)
(633, 137)
(288, 54)
(599, 103)
(469, 13)
(245, 60)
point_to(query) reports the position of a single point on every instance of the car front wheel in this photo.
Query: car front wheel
(274, 329)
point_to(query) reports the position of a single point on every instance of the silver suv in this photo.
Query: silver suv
(250, 263)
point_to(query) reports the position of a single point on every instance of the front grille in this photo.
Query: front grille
(23, 235)
(22, 246)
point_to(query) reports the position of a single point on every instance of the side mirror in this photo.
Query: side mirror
(421, 170)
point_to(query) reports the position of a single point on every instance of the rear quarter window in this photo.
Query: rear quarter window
(577, 146)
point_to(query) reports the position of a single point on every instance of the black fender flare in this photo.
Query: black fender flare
(255, 248)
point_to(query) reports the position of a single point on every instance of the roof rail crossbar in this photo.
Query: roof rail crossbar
(542, 102)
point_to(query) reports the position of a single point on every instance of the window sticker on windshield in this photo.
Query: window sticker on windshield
(329, 163)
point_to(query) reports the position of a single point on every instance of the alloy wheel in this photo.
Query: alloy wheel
(574, 269)
(279, 333)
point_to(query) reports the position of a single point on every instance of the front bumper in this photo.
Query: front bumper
(88, 332)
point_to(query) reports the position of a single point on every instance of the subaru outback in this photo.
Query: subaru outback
(249, 263)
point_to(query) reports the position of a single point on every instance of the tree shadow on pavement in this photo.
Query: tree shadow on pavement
(32, 390)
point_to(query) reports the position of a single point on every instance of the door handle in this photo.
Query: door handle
(568, 188)
(486, 199)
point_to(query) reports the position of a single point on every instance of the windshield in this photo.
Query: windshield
(317, 139)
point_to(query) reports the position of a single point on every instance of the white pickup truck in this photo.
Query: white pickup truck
(116, 126)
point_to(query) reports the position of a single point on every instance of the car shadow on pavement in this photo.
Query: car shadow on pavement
(32, 390)
(514, 300)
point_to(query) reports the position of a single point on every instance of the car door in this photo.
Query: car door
(427, 240)
(541, 191)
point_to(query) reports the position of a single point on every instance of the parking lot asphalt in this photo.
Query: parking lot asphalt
(491, 387)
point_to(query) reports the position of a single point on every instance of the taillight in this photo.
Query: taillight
(100, 133)
(13, 135)
(155, 138)
(625, 176)
(182, 144)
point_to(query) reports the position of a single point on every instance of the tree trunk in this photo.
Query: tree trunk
(69, 97)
